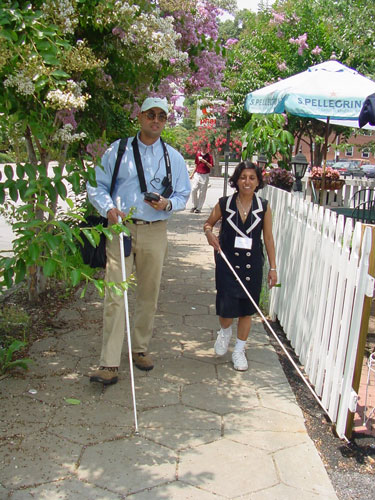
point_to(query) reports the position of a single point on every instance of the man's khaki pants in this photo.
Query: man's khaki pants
(149, 248)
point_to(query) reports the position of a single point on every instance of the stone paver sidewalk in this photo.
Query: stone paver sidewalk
(205, 431)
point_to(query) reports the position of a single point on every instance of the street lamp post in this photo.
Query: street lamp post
(262, 161)
(226, 158)
(299, 166)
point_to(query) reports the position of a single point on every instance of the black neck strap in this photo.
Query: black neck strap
(138, 163)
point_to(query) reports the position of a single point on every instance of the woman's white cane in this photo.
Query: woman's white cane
(271, 330)
(123, 268)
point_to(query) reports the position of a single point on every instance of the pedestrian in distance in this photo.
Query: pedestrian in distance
(245, 217)
(148, 228)
(200, 178)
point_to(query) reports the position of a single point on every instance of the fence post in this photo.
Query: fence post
(366, 311)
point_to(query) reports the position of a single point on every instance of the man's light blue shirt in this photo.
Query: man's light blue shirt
(127, 185)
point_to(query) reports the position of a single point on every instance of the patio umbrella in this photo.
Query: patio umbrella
(329, 91)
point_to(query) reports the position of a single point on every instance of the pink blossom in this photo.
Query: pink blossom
(66, 116)
(301, 41)
(278, 17)
(316, 51)
(230, 42)
(118, 32)
(97, 148)
(282, 66)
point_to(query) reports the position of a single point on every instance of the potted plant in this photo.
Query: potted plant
(280, 178)
(332, 179)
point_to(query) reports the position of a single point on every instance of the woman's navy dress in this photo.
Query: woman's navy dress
(231, 299)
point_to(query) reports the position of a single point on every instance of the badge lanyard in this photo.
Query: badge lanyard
(241, 241)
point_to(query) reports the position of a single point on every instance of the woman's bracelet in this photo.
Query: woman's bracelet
(207, 228)
(273, 269)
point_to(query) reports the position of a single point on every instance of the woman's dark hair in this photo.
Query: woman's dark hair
(238, 171)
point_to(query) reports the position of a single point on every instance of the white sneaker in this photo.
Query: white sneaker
(222, 342)
(239, 361)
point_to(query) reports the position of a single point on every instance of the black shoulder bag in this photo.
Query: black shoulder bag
(96, 256)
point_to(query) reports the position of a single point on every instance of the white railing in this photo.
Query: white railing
(337, 198)
(323, 270)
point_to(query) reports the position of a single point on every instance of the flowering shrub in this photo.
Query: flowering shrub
(280, 178)
(235, 145)
(330, 173)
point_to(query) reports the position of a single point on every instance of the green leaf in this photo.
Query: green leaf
(20, 270)
(13, 193)
(87, 233)
(50, 59)
(30, 170)
(34, 251)
(65, 228)
(52, 241)
(69, 202)
(72, 401)
(75, 180)
(44, 208)
(75, 276)
(8, 277)
(61, 189)
(99, 285)
(60, 73)
(20, 170)
(9, 35)
(8, 171)
(49, 267)
(42, 169)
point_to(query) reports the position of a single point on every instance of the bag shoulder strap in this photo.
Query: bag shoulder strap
(138, 164)
(120, 153)
(167, 161)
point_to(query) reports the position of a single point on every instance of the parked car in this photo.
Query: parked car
(341, 166)
(359, 162)
(369, 171)
(349, 169)
(354, 171)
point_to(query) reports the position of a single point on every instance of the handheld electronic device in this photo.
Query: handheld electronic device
(152, 196)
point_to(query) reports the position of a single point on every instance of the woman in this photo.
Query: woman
(244, 215)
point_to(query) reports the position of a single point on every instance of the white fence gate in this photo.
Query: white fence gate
(323, 270)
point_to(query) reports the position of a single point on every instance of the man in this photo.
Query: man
(148, 230)
(203, 164)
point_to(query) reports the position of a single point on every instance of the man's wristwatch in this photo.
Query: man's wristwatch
(168, 206)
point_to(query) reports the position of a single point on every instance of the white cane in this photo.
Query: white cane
(272, 331)
(123, 268)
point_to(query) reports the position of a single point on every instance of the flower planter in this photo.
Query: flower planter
(329, 184)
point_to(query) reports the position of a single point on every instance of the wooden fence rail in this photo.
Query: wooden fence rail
(323, 270)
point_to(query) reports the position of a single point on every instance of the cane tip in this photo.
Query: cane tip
(136, 433)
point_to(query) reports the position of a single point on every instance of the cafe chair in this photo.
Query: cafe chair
(365, 212)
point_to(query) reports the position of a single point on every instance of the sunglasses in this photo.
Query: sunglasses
(151, 115)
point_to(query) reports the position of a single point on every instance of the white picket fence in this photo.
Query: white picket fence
(323, 270)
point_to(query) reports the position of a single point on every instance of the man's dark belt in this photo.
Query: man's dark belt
(141, 222)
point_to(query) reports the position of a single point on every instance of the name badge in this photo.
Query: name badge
(242, 242)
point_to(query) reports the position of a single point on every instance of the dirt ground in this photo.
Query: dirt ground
(351, 466)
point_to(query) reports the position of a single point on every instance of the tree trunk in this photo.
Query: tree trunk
(35, 278)
(216, 171)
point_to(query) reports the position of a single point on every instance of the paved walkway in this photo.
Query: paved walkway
(205, 431)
